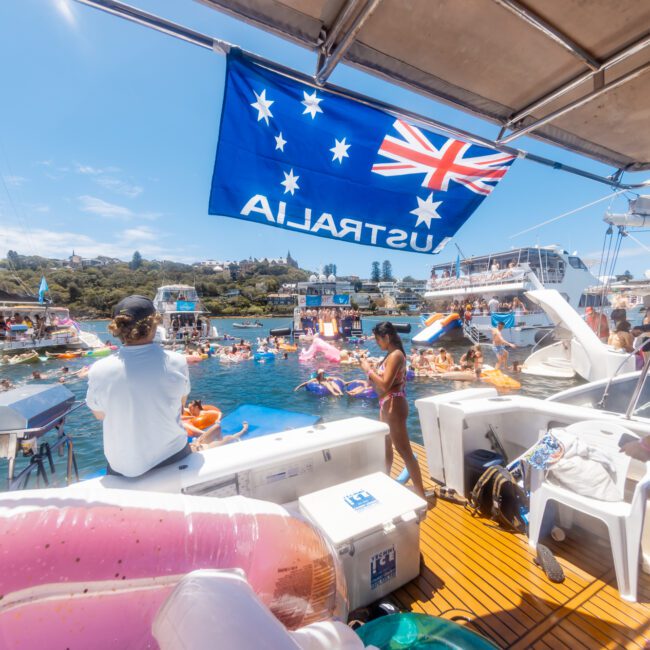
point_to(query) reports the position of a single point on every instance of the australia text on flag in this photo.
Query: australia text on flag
(306, 159)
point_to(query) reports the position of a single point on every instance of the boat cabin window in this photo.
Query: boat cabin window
(593, 300)
(577, 263)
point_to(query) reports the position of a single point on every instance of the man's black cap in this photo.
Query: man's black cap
(137, 307)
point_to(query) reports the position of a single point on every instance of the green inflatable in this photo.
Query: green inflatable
(420, 632)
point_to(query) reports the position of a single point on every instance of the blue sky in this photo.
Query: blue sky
(108, 133)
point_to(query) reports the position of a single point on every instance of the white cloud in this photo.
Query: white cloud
(14, 181)
(59, 244)
(142, 233)
(106, 210)
(89, 170)
(119, 187)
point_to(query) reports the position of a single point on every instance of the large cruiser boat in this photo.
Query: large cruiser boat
(182, 312)
(324, 307)
(41, 327)
(505, 276)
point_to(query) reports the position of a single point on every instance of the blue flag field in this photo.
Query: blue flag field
(302, 158)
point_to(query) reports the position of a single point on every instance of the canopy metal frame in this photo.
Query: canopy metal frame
(330, 55)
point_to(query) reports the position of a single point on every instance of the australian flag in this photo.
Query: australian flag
(299, 157)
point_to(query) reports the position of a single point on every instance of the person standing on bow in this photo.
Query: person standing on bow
(389, 380)
(139, 393)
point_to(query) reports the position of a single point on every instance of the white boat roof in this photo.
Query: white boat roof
(176, 287)
(569, 72)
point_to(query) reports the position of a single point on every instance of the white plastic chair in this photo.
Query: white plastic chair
(624, 520)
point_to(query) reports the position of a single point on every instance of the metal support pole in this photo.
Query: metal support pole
(332, 61)
(172, 29)
(550, 31)
(637, 389)
(633, 74)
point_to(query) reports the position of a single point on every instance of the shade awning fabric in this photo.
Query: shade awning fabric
(497, 59)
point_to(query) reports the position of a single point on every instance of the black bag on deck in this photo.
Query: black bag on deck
(497, 496)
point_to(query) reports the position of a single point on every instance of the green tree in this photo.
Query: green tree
(74, 292)
(387, 271)
(375, 274)
(136, 261)
(14, 260)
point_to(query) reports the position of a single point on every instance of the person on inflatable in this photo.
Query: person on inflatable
(200, 420)
(325, 381)
(138, 394)
(389, 380)
(362, 386)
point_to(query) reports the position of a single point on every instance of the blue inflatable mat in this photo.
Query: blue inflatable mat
(263, 420)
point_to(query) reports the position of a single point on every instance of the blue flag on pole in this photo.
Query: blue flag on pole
(296, 156)
(457, 266)
(42, 290)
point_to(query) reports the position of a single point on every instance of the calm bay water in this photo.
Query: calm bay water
(267, 384)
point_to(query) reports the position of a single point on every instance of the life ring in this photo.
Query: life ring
(368, 393)
(111, 549)
(205, 419)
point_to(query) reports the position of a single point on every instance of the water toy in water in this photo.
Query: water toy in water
(27, 357)
(208, 416)
(64, 355)
(322, 390)
(109, 559)
(195, 358)
(410, 374)
(360, 389)
(459, 375)
(264, 356)
(436, 326)
(420, 632)
(323, 348)
(99, 352)
(286, 347)
(499, 379)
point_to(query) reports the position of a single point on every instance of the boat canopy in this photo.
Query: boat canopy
(569, 72)
(543, 256)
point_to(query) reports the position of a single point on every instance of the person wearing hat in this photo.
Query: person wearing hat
(138, 393)
(597, 321)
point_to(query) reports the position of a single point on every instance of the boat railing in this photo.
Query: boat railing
(478, 280)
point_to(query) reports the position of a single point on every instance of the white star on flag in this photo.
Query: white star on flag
(262, 106)
(340, 150)
(290, 182)
(280, 142)
(311, 104)
(426, 211)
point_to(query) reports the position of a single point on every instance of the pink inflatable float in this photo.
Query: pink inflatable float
(91, 570)
(319, 346)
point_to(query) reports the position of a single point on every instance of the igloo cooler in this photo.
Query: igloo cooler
(373, 523)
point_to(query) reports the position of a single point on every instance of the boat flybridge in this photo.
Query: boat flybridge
(509, 275)
(182, 312)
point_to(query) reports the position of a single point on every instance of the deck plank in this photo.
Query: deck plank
(472, 569)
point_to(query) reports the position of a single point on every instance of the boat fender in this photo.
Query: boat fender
(280, 331)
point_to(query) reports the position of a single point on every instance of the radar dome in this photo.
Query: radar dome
(313, 278)
(331, 277)
(322, 277)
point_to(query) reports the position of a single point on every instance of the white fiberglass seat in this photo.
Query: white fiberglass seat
(624, 520)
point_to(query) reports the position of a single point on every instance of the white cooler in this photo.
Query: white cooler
(374, 524)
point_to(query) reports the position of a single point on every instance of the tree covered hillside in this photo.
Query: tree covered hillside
(91, 291)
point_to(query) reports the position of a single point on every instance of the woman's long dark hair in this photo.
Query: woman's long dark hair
(388, 329)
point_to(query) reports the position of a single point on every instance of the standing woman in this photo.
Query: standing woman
(389, 381)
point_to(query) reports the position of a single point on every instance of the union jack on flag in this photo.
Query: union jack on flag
(415, 154)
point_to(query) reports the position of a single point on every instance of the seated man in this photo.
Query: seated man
(138, 393)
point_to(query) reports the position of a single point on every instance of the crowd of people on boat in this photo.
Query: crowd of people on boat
(481, 306)
(345, 318)
(38, 327)
(186, 327)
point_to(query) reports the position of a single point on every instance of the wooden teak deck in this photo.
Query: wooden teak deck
(482, 576)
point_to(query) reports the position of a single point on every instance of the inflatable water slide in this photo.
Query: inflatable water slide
(435, 327)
